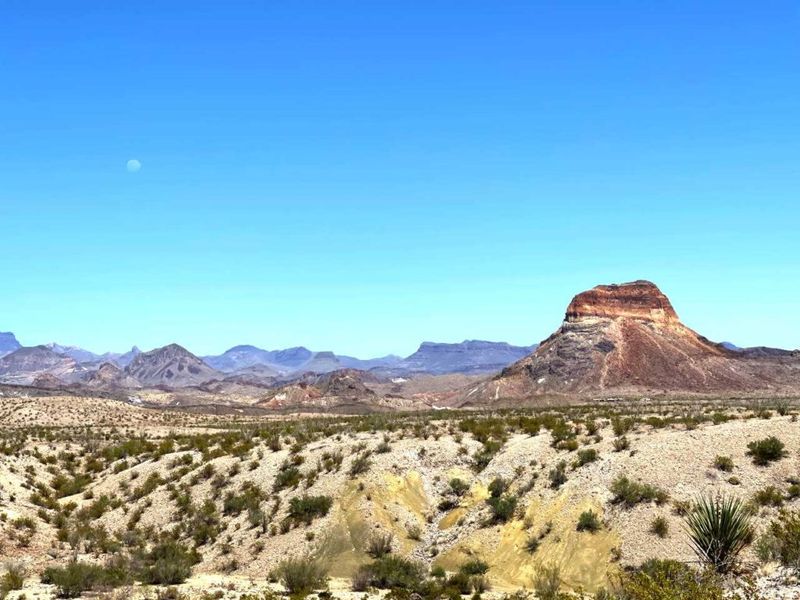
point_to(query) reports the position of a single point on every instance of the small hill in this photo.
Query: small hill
(627, 338)
(344, 390)
(170, 366)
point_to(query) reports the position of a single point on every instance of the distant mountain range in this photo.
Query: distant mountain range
(173, 366)
(615, 340)
(470, 356)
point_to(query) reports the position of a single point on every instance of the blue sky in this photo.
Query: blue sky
(362, 176)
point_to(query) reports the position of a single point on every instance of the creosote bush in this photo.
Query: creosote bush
(588, 521)
(78, 577)
(305, 509)
(724, 463)
(766, 451)
(300, 576)
(630, 492)
(12, 579)
(380, 545)
(547, 583)
(668, 580)
(392, 572)
(659, 526)
(781, 541)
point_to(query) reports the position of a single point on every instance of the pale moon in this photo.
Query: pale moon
(133, 165)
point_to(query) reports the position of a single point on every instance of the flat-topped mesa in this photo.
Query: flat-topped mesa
(634, 300)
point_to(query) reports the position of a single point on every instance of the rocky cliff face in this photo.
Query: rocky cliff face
(635, 300)
(627, 339)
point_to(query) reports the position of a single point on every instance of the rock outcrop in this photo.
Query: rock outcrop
(627, 339)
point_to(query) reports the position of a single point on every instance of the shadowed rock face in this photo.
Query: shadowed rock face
(627, 338)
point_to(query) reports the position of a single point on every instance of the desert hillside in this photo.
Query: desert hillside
(575, 495)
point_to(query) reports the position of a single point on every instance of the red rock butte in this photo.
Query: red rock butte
(634, 300)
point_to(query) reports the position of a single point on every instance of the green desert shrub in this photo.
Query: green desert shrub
(724, 463)
(380, 545)
(360, 464)
(586, 456)
(79, 577)
(621, 443)
(288, 477)
(588, 521)
(547, 583)
(392, 572)
(659, 526)
(719, 529)
(502, 507)
(532, 544)
(497, 487)
(458, 487)
(558, 475)
(304, 509)
(474, 567)
(668, 580)
(768, 496)
(12, 579)
(169, 562)
(781, 541)
(300, 576)
(622, 425)
(630, 492)
(766, 451)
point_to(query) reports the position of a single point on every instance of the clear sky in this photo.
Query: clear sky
(362, 176)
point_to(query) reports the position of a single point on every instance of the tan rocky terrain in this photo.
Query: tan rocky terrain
(229, 499)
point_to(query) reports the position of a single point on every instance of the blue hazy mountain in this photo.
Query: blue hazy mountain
(8, 343)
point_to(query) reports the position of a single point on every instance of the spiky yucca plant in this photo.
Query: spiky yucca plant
(719, 529)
